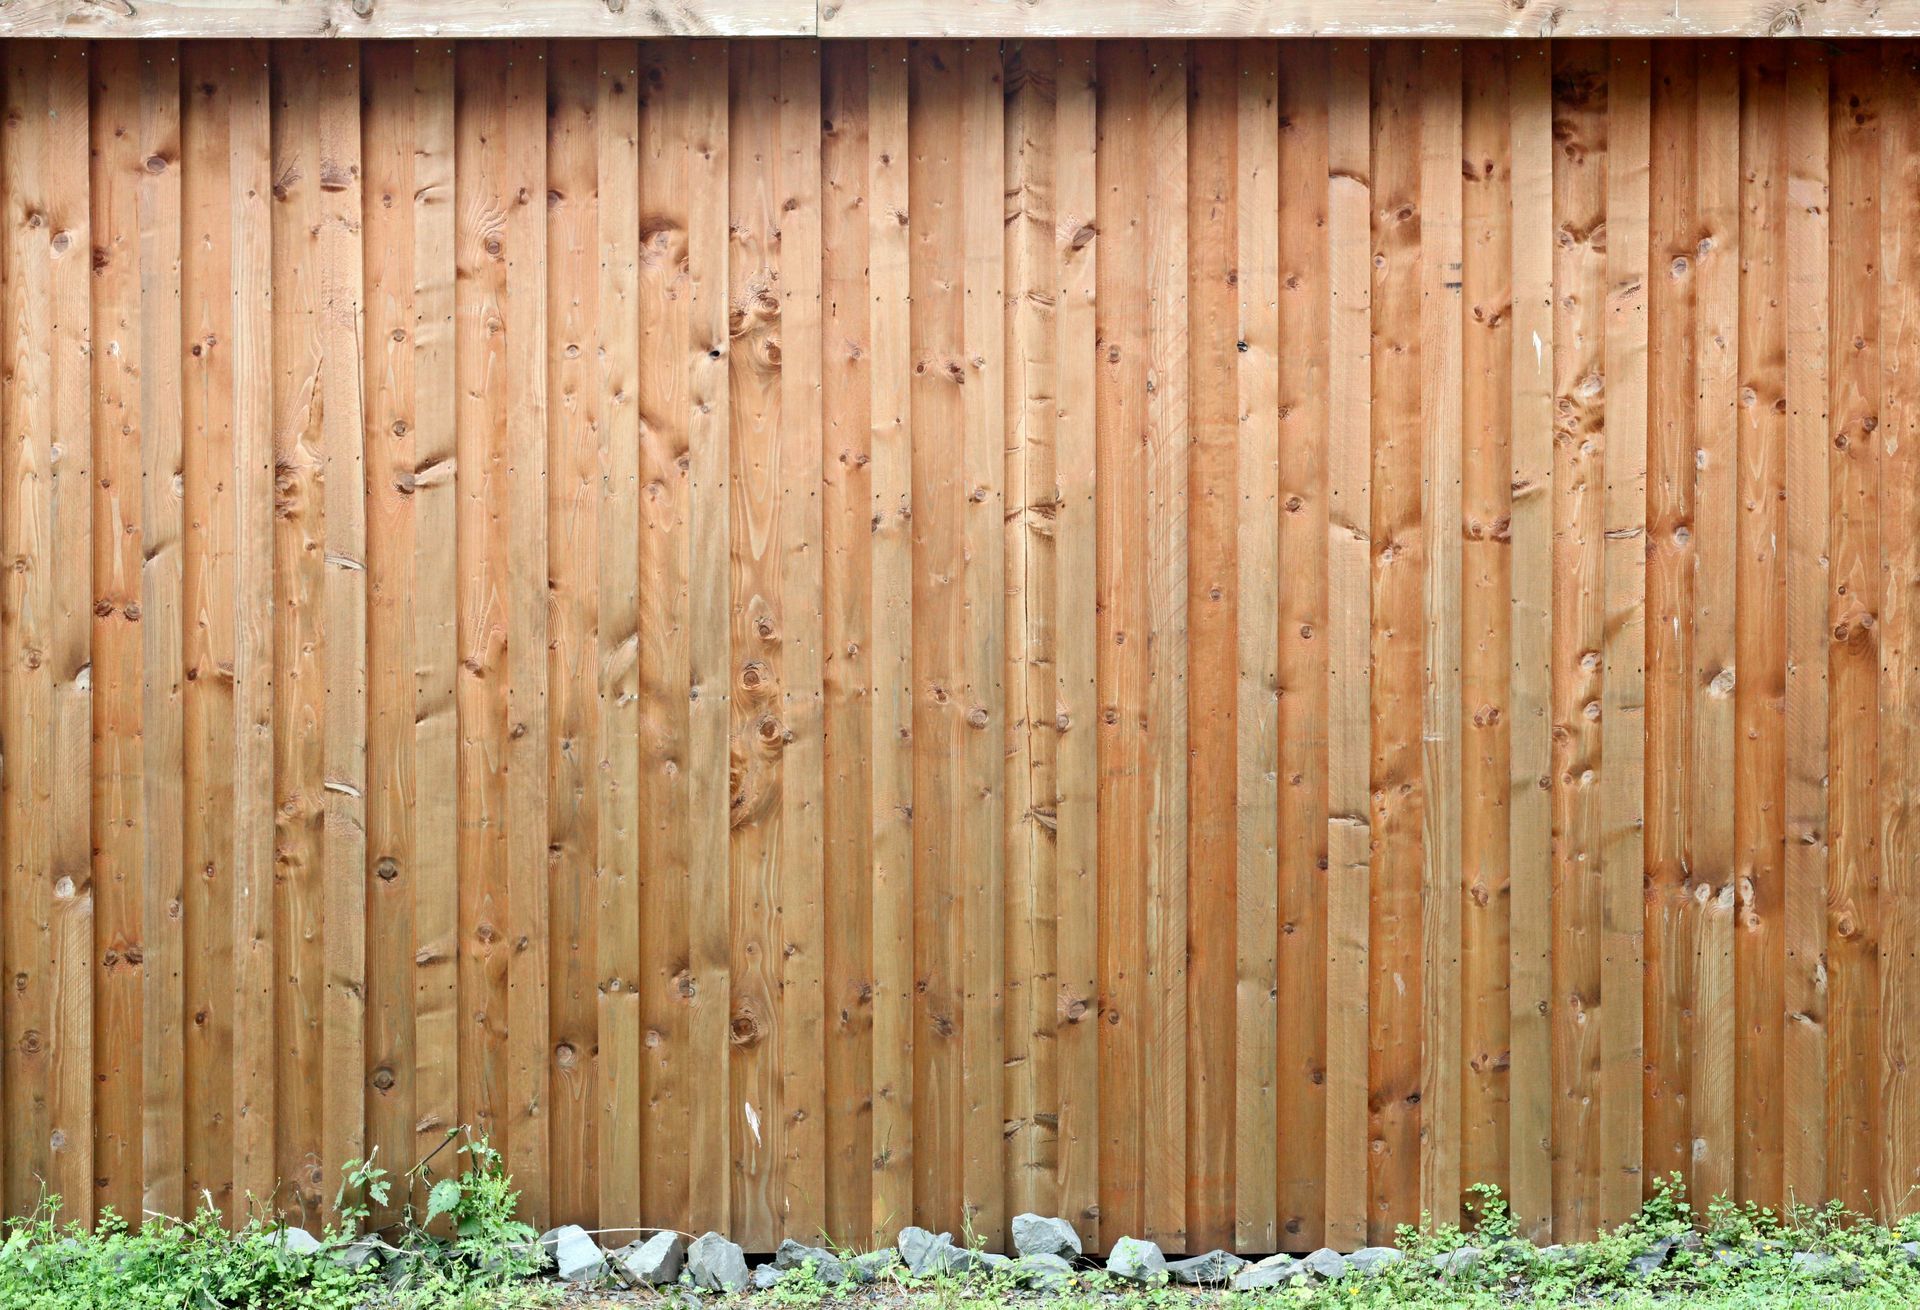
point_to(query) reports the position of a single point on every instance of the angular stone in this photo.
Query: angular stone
(576, 1257)
(1557, 1255)
(1913, 1251)
(362, 1253)
(1274, 1271)
(765, 1277)
(296, 1241)
(1372, 1259)
(1044, 1273)
(650, 1262)
(827, 1267)
(1035, 1234)
(716, 1265)
(1458, 1263)
(1325, 1263)
(1652, 1260)
(1214, 1269)
(917, 1247)
(1135, 1260)
(872, 1266)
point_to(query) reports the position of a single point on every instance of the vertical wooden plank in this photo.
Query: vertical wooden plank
(1900, 643)
(795, 229)
(846, 349)
(1213, 124)
(343, 751)
(759, 642)
(1441, 875)
(482, 202)
(574, 422)
(1350, 548)
(1397, 983)
(1855, 599)
(623, 376)
(1760, 633)
(525, 541)
(70, 994)
(1715, 170)
(159, 612)
(28, 439)
(1810, 805)
(1028, 331)
(1077, 245)
(387, 233)
(1166, 475)
(710, 586)
(935, 124)
(1530, 824)
(1623, 656)
(1257, 1081)
(255, 1044)
(890, 739)
(119, 418)
(1303, 610)
(436, 635)
(208, 520)
(1580, 289)
(1671, 918)
(1121, 418)
(1486, 639)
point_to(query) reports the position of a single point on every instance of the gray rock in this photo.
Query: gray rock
(1035, 1234)
(362, 1253)
(1821, 1267)
(765, 1277)
(1325, 1263)
(716, 1265)
(872, 1266)
(1458, 1263)
(1044, 1273)
(956, 1260)
(295, 1241)
(1557, 1255)
(917, 1248)
(1135, 1260)
(575, 1256)
(1371, 1260)
(1274, 1271)
(650, 1262)
(1650, 1261)
(1214, 1269)
(827, 1267)
(1913, 1251)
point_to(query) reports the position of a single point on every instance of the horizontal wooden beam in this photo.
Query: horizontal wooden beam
(407, 18)
(1530, 19)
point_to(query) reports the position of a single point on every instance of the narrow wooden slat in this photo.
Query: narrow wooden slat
(1167, 441)
(1579, 330)
(1900, 642)
(1486, 638)
(1850, 752)
(760, 532)
(255, 1113)
(1530, 794)
(1441, 877)
(1623, 724)
(1715, 170)
(1257, 1091)
(623, 377)
(846, 349)
(70, 991)
(1213, 505)
(1350, 547)
(208, 612)
(1812, 899)
(574, 420)
(709, 157)
(1077, 243)
(1397, 984)
(1303, 613)
(390, 351)
(1760, 633)
(794, 226)
(890, 740)
(436, 639)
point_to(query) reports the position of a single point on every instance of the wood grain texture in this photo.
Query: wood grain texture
(1224, 640)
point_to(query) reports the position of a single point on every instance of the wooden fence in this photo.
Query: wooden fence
(1221, 639)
